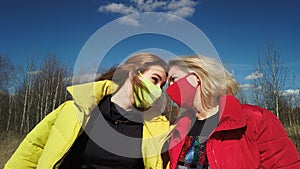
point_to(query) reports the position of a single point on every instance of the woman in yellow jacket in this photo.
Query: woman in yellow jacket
(111, 123)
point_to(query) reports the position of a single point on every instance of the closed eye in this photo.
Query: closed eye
(172, 79)
(155, 80)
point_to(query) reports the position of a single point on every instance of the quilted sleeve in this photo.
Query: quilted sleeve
(276, 149)
(27, 154)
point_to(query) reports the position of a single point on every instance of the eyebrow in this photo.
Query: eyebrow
(160, 78)
(170, 76)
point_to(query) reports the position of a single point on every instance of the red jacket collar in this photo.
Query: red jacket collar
(231, 114)
(231, 117)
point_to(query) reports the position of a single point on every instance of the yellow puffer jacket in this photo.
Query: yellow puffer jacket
(47, 144)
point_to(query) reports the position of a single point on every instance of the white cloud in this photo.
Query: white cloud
(87, 77)
(34, 72)
(181, 8)
(175, 4)
(245, 86)
(118, 8)
(290, 92)
(183, 12)
(126, 20)
(149, 5)
(254, 75)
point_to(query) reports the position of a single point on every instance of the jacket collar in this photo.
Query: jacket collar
(231, 114)
(87, 96)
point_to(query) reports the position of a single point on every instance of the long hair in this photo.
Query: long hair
(215, 80)
(137, 63)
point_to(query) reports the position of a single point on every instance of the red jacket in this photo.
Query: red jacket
(246, 137)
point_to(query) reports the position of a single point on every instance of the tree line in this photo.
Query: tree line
(28, 94)
(274, 88)
(269, 88)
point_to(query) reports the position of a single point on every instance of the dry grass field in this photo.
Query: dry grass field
(11, 140)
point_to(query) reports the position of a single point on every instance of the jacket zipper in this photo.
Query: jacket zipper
(60, 159)
(213, 152)
(67, 150)
(64, 155)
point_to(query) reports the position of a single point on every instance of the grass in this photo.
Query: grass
(294, 133)
(9, 142)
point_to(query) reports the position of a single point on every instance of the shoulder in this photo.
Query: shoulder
(256, 113)
(263, 120)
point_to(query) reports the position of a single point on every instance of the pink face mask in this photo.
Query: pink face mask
(182, 92)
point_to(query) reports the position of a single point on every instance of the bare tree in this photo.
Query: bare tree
(274, 72)
(7, 90)
(43, 89)
(14, 83)
(48, 88)
(28, 96)
(291, 102)
(242, 94)
(27, 104)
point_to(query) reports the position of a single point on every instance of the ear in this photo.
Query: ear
(194, 80)
(132, 74)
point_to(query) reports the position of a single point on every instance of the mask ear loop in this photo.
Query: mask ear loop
(142, 76)
(139, 75)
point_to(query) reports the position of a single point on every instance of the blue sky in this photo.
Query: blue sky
(238, 29)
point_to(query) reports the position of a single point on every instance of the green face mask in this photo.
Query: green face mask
(143, 98)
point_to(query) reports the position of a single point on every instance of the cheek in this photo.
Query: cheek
(158, 85)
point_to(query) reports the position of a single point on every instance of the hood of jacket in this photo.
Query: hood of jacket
(87, 96)
(231, 114)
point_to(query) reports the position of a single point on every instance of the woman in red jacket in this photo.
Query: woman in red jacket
(214, 130)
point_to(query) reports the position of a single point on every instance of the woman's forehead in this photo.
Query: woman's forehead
(175, 70)
(155, 68)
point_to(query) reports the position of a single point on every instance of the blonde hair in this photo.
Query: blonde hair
(215, 80)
